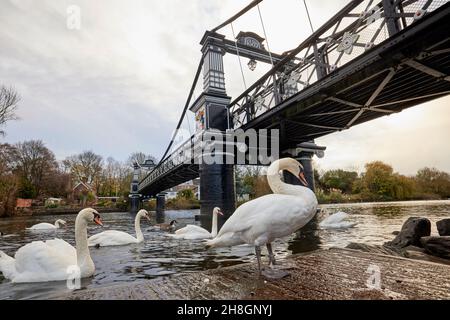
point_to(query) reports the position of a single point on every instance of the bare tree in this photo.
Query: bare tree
(8, 181)
(8, 105)
(139, 157)
(86, 166)
(34, 163)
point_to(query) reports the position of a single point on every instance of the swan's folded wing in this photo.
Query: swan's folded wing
(277, 213)
(42, 226)
(191, 228)
(38, 261)
(61, 247)
(247, 215)
(111, 238)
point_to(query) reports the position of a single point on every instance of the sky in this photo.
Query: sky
(118, 83)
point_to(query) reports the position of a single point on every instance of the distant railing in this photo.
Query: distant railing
(357, 28)
(181, 155)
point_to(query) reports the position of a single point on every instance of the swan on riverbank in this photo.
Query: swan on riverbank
(262, 220)
(119, 238)
(52, 260)
(336, 221)
(48, 226)
(194, 232)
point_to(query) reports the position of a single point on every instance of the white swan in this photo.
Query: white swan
(336, 221)
(53, 260)
(193, 232)
(118, 238)
(48, 226)
(272, 216)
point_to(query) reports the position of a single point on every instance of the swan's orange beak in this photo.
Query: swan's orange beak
(98, 221)
(302, 178)
(220, 212)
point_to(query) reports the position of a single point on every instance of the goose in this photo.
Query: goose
(48, 226)
(4, 236)
(260, 221)
(167, 226)
(336, 221)
(193, 232)
(52, 260)
(119, 238)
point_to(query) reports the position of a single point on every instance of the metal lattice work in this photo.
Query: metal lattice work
(358, 28)
(373, 58)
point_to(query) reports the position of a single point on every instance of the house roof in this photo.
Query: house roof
(84, 184)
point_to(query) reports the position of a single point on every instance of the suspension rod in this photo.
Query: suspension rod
(253, 4)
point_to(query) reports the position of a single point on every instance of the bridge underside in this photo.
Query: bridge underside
(173, 177)
(410, 68)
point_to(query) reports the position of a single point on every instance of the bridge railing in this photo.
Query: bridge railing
(360, 26)
(181, 155)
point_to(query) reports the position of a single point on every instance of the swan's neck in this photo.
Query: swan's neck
(57, 223)
(84, 260)
(274, 181)
(137, 227)
(279, 187)
(214, 225)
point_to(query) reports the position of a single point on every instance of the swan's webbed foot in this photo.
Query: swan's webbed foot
(275, 274)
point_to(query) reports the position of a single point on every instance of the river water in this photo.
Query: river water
(160, 255)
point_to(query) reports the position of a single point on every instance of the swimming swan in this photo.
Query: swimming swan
(193, 232)
(336, 221)
(119, 238)
(48, 226)
(53, 260)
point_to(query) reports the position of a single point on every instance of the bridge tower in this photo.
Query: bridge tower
(135, 197)
(217, 179)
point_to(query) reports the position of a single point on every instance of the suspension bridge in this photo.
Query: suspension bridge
(371, 59)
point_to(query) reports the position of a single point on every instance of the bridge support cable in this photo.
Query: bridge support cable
(265, 35)
(237, 15)
(309, 17)
(186, 106)
(239, 57)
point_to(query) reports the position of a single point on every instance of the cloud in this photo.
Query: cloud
(119, 83)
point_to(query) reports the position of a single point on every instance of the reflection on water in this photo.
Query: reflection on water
(160, 255)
